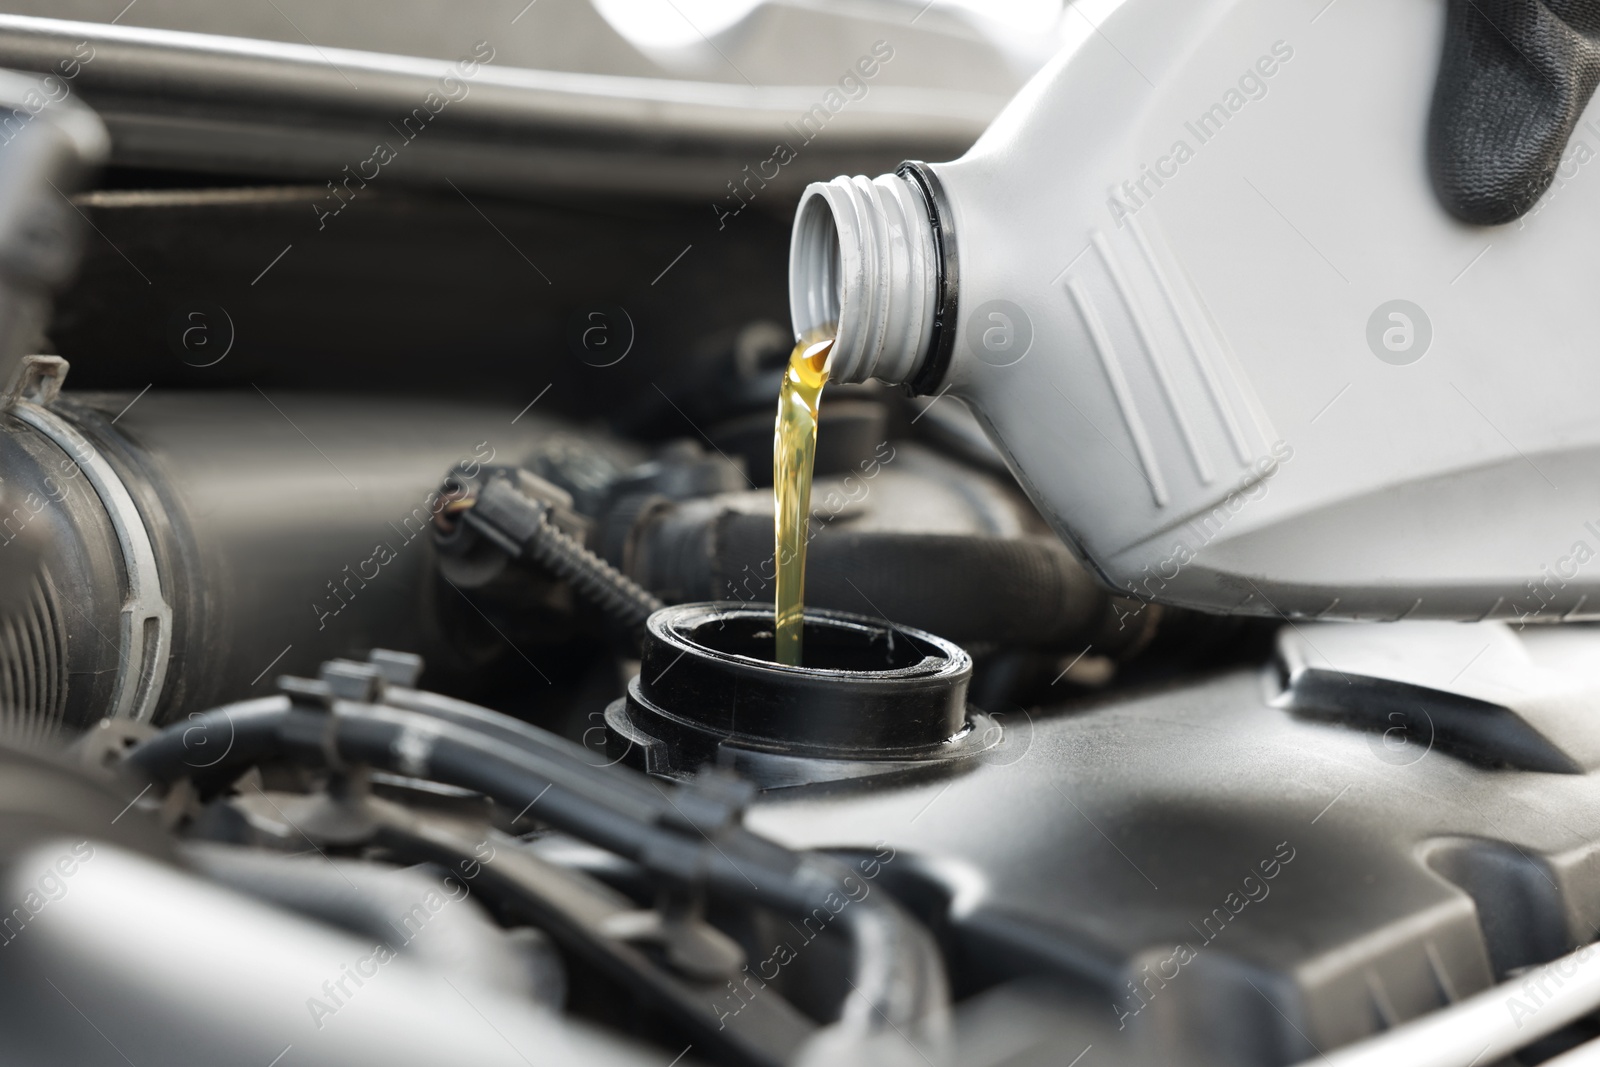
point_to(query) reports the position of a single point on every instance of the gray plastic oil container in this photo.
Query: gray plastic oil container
(1195, 284)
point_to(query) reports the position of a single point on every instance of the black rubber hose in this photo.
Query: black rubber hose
(902, 960)
(211, 750)
(519, 735)
(271, 728)
(969, 588)
(897, 970)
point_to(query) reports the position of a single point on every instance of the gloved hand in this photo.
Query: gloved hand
(1515, 79)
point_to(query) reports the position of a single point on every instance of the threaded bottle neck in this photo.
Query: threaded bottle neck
(863, 256)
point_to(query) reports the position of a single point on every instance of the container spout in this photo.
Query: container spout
(864, 262)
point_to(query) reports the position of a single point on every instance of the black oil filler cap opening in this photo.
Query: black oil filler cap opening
(872, 697)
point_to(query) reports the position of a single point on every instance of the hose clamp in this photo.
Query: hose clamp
(146, 629)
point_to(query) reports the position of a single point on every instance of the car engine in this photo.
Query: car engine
(385, 535)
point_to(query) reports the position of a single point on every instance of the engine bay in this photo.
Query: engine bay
(386, 679)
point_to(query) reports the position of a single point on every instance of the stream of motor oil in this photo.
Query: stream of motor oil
(794, 448)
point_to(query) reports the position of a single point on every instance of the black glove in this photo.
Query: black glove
(1515, 78)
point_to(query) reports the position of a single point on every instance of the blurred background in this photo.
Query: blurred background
(975, 45)
(598, 145)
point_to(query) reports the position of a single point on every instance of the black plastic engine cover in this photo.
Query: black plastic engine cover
(1208, 875)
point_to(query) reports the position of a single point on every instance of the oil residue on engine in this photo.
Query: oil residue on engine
(794, 447)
